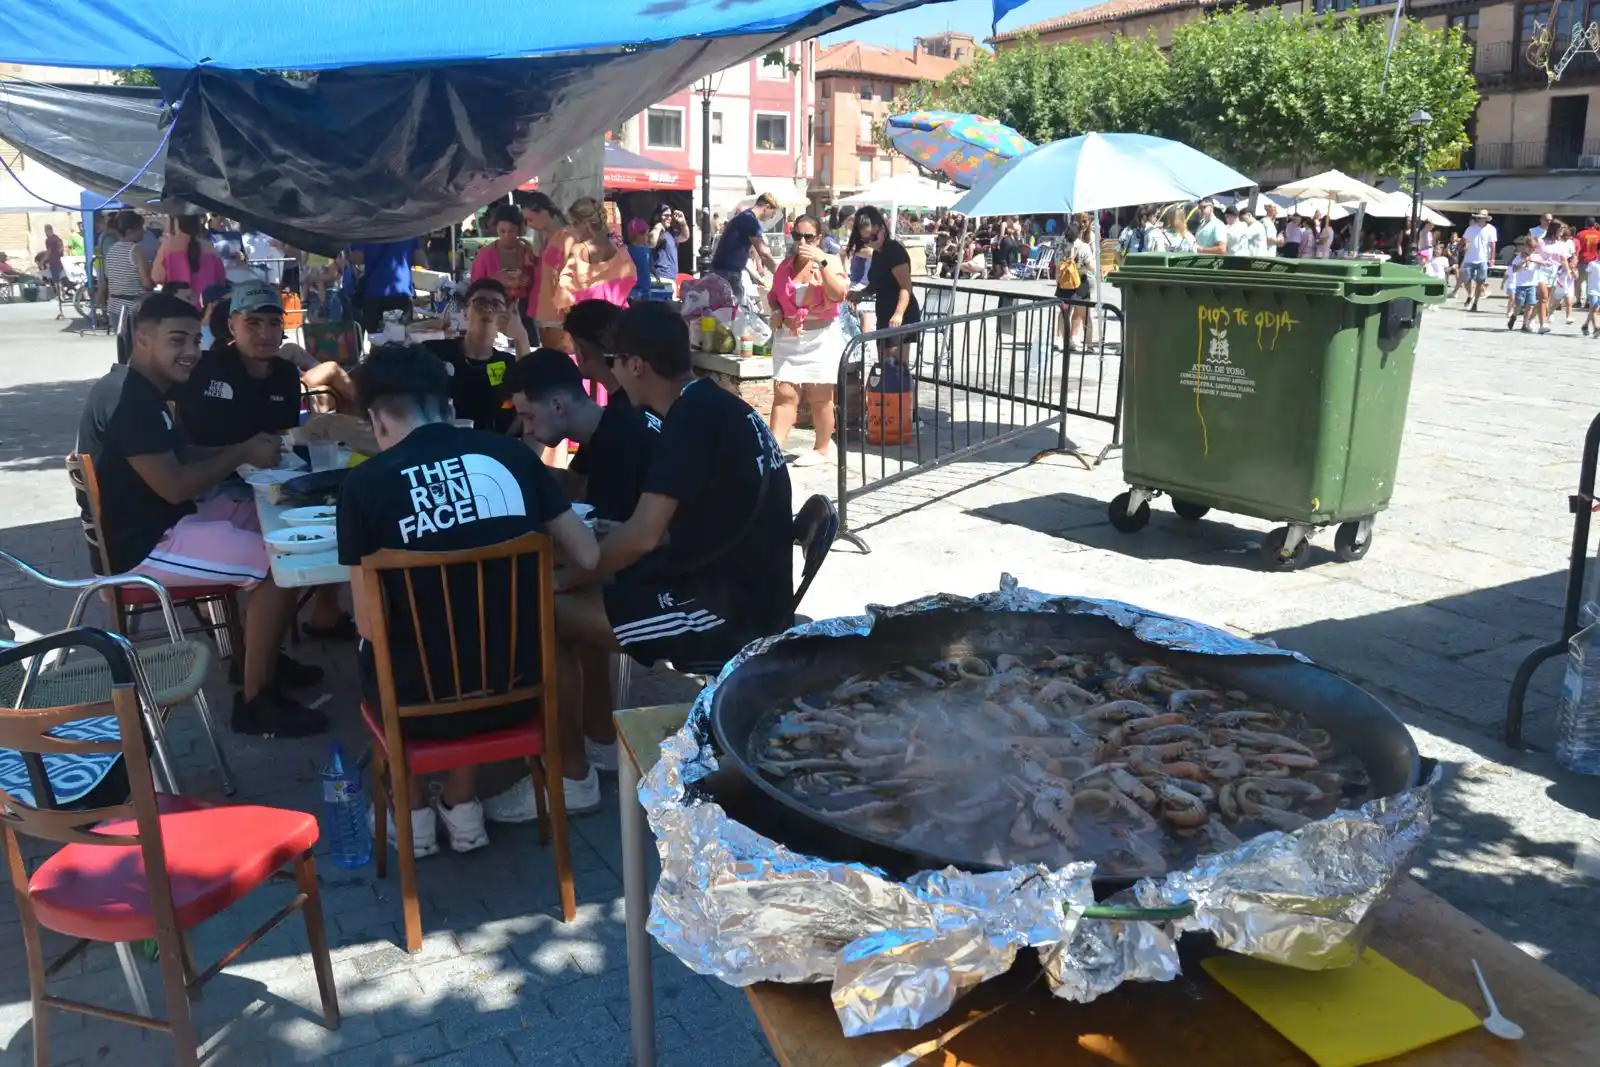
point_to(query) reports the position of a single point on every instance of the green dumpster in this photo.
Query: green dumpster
(1274, 388)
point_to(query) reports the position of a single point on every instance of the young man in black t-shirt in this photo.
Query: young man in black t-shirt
(477, 367)
(149, 477)
(243, 386)
(717, 483)
(435, 487)
(614, 442)
(589, 323)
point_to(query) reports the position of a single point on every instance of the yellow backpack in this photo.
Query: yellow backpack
(1068, 276)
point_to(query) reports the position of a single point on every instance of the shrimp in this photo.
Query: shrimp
(1292, 760)
(1139, 726)
(1055, 807)
(1059, 689)
(1158, 753)
(1181, 808)
(1030, 715)
(1113, 710)
(1180, 697)
(1259, 739)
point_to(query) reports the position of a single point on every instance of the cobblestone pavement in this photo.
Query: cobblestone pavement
(1465, 574)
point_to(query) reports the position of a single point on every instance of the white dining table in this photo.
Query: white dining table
(298, 570)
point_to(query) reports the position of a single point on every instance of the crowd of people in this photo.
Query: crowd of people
(1551, 268)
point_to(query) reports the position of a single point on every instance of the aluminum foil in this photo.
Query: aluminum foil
(736, 905)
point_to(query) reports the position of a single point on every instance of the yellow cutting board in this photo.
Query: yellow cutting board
(1348, 1016)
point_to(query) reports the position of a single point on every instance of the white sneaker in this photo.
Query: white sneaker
(514, 805)
(582, 795)
(463, 825)
(603, 757)
(810, 459)
(424, 832)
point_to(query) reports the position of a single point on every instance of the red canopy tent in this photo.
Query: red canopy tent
(627, 172)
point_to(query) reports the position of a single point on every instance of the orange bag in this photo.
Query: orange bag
(891, 407)
(293, 310)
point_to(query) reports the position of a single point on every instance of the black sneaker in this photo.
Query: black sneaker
(275, 714)
(290, 674)
(342, 630)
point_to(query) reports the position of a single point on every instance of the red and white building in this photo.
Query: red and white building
(762, 120)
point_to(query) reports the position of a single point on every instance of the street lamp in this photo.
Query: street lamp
(707, 88)
(1418, 121)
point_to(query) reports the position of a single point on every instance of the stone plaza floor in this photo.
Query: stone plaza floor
(1466, 573)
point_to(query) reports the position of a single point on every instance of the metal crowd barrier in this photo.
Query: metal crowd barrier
(973, 380)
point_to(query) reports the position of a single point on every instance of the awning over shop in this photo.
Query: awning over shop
(628, 172)
(1527, 194)
(1454, 185)
(788, 192)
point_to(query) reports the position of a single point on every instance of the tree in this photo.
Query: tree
(136, 76)
(1253, 88)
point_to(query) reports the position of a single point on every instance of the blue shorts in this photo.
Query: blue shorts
(1527, 295)
(1474, 272)
(1594, 300)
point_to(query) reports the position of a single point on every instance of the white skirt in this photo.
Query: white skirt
(809, 359)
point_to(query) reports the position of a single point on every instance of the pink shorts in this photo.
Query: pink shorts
(220, 544)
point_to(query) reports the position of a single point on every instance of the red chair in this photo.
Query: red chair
(678, 290)
(146, 869)
(127, 603)
(395, 760)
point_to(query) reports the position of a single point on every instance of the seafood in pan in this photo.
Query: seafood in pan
(1052, 758)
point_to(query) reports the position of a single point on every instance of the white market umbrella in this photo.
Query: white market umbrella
(1331, 185)
(1317, 205)
(1397, 205)
(903, 190)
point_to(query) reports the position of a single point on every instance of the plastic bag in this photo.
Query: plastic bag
(748, 320)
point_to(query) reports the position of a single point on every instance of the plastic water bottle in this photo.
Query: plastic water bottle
(1578, 719)
(344, 813)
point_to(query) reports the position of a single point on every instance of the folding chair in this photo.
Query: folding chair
(169, 674)
(529, 677)
(129, 602)
(150, 868)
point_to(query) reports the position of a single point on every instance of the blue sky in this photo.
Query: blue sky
(973, 16)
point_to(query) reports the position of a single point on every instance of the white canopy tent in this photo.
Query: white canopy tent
(46, 192)
(902, 191)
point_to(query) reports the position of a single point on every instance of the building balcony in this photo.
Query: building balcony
(1507, 61)
(1536, 155)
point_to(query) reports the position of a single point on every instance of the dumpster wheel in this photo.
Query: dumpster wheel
(1272, 554)
(1125, 521)
(1189, 511)
(1352, 539)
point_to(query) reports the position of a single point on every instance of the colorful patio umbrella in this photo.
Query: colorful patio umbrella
(965, 148)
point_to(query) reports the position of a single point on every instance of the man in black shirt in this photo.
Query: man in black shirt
(717, 483)
(149, 477)
(614, 442)
(243, 386)
(589, 323)
(477, 367)
(435, 487)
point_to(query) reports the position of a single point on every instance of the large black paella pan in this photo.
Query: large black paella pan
(1358, 727)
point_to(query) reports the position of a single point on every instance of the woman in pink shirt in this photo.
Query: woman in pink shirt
(555, 245)
(808, 339)
(186, 257)
(508, 260)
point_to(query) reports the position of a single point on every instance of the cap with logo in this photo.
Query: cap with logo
(255, 296)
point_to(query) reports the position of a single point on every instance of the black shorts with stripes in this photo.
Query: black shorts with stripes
(689, 622)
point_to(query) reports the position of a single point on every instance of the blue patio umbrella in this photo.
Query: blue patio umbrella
(1097, 171)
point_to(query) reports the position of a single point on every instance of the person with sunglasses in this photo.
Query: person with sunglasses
(477, 367)
(717, 484)
(808, 339)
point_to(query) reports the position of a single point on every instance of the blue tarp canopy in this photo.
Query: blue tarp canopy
(418, 114)
(318, 35)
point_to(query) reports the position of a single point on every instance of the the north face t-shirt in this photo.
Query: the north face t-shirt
(223, 404)
(445, 489)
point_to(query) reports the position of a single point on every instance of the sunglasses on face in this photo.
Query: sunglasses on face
(808, 237)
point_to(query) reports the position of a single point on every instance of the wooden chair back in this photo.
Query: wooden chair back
(29, 732)
(484, 571)
(80, 470)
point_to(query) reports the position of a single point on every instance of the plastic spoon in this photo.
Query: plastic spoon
(1496, 1024)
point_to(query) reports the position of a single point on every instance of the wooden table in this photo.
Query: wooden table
(1191, 1022)
(301, 570)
